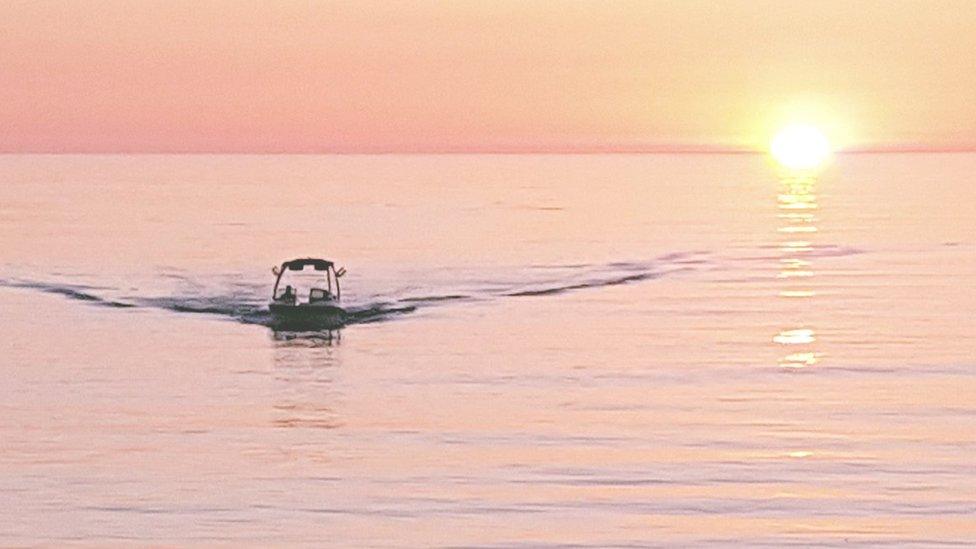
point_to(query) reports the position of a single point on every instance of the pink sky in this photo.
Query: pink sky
(290, 76)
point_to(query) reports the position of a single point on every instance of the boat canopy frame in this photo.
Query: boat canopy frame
(317, 264)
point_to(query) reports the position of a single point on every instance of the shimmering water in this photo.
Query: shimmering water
(546, 351)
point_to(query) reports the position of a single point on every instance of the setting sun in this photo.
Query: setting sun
(800, 147)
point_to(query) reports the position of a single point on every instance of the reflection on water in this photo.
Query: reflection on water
(797, 293)
(306, 365)
(314, 338)
(797, 213)
(795, 337)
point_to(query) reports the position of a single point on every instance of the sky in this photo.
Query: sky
(446, 76)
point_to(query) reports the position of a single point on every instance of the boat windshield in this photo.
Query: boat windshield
(305, 286)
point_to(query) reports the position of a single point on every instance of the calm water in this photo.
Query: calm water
(549, 351)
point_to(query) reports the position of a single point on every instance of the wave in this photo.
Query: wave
(593, 284)
(80, 293)
(807, 250)
(231, 298)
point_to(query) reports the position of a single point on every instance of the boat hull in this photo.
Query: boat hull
(305, 316)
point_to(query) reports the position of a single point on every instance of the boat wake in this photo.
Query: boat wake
(72, 291)
(233, 298)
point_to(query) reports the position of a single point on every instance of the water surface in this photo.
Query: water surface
(547, 351)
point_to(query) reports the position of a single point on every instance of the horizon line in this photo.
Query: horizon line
(896, 149)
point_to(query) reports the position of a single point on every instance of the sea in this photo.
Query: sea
(573, 351)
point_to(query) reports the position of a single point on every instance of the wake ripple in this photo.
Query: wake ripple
(247, 303)
(80, 293)
(594, 284)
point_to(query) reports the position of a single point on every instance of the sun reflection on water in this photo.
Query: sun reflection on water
(797, 293)
(797, 205)
(795, 337)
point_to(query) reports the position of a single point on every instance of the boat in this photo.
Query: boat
(306, 295)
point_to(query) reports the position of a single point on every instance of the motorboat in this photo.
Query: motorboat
(306, 294)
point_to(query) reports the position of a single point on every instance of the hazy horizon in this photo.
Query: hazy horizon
(488, 152)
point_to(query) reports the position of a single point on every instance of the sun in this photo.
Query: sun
(800, 147)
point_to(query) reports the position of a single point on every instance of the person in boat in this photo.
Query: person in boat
(288, 295)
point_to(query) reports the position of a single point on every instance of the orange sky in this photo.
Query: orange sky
(290, 76)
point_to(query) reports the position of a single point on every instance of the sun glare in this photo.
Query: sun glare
(800, 147)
